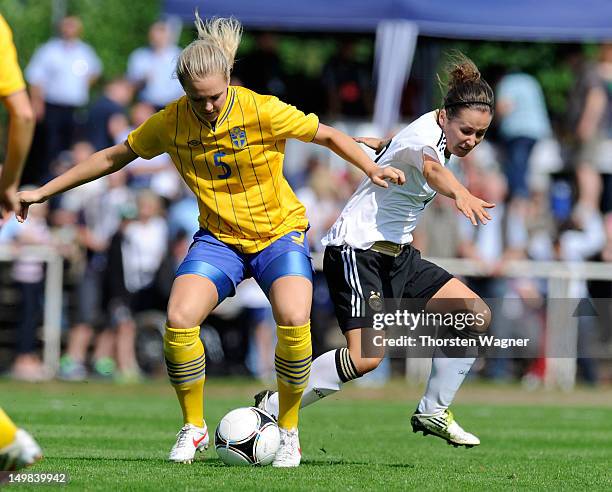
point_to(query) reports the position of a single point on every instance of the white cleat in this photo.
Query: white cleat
(23, 451)
(443, 425)
(289, 453)
(189, 440)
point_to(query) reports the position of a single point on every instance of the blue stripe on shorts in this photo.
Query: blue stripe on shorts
(224, 285)
(289, 263)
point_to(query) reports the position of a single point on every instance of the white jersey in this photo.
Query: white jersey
(390, 214)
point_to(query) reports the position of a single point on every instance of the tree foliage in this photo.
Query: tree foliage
(545, 61)
(116, 27)
(113, 27)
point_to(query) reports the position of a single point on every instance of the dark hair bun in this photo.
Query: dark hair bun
(463, 72)
(465, 87)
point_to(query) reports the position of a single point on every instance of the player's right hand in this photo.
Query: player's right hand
(27, 198)
(473, 208)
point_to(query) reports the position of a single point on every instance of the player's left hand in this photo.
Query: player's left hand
(473, 208)
(27, 198)
(380, 175)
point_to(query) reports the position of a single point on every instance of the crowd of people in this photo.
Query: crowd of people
(552, 185)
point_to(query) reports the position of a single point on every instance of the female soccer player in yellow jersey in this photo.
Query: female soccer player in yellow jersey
(17, 448)
(228, 145)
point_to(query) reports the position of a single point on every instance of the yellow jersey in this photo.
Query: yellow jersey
(235, 168)
(11, 79)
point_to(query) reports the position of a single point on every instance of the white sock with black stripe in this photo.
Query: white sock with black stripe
(327, 374)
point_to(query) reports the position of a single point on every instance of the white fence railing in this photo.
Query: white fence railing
(560, 330)
(559, 275)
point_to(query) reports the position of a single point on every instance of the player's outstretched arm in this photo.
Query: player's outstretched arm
(104, 162)
(347, 148)
(443, 181)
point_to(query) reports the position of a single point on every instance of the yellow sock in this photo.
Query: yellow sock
(7, 430)
(292, 362)
(186, 364)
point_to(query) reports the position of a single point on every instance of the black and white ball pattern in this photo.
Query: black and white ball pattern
(247, 436)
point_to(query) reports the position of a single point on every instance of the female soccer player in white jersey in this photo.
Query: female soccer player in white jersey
(368, 252)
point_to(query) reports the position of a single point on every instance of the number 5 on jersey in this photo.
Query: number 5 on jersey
(219, 163)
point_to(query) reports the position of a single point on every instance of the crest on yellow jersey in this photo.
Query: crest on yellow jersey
(238, 136)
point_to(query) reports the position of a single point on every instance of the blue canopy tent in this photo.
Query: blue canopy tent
(397, 24)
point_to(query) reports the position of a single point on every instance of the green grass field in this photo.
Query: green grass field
(109, 437)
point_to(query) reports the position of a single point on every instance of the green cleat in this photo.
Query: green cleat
(443, 425)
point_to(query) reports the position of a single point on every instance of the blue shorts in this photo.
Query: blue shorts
(227, 267)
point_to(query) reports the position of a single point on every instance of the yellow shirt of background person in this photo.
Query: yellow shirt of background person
(11, 79)
(235, 168)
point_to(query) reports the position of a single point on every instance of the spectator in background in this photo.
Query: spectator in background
(437, 235)
(60, 74)
(487, 245)
(593, 119)
(158, 173)
(587, 106)
(523, 120)
(585, 97)
(348, 84)
(257, 316)
(28, 272)
(301, 177)
(183, 213)
(130, 278)
(602, 289)
(178, 246)
(97, 207)
(261, 70)
(17, 448)
(151, 68)
(582, 237)
(320, 194)
(490, 247)
(114, 100)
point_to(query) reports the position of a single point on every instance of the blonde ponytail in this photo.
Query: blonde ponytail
(213, 52)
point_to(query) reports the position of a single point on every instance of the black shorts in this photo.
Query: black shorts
(360, 280)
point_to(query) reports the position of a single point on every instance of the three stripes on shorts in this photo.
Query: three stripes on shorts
(351, 275)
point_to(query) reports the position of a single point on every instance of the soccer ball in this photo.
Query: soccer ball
(247, 436)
